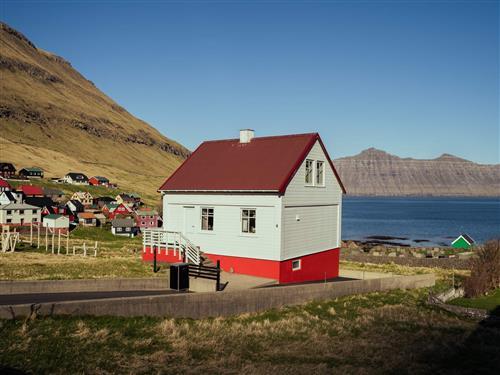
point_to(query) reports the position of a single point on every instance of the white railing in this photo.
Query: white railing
(159, 238)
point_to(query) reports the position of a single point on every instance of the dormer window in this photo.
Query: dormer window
(320, 173)
(309, 172)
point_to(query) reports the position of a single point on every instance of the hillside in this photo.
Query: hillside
(375, 172)
(53, 117)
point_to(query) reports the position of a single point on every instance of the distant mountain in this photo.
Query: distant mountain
(376, 172)
(53, 117)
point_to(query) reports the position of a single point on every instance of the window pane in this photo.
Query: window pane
(319, 172)
(244, 225)
(309, 171)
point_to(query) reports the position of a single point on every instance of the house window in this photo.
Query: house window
(34, 211)
(248, 220)
(21, 212)
(9, 212)
(296, 265)
(320, 173)
(127, 229)
(34, 220)
(9, 220)
(309, 172)
(207, 219)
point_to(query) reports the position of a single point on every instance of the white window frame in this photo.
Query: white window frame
(311, 183)
(299, 266)
(208, 229)
(248, 233)
(322, 182)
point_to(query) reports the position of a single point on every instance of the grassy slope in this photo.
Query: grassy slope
(392, 332)
(489, 302)
(74, 126)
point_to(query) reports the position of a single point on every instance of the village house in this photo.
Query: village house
(98, 181)
(120, 210)
(124, 227)
(55, 194)
(31, 191)
(4, 185)
(7, 197)
(146, 218)
(76, 179)
(75, 206)
(19, 214)
(268, 206)
(100, 202)
(7, 170)
(31, 172)
(46, 204)
(130, 200)
(87, 219)
(56, 221)
(83, 197)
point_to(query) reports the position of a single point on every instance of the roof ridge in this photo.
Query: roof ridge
(264, 137)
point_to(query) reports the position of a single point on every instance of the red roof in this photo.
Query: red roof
(31, 190)
(4, 184)
(264, 164)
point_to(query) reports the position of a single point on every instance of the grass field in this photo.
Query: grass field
(117, 257)
(393, 332)
(489, 302)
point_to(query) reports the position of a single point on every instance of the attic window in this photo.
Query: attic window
(320, 173)
(309, 172)
(207, 219)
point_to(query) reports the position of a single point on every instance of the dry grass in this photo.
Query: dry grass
(377, 333)
(117, 257)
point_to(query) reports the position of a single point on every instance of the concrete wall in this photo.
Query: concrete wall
(202, 305)
(93, 285)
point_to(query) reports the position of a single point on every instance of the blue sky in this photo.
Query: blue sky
(417, 78)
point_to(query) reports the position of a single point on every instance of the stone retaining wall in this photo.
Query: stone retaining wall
(202, 305)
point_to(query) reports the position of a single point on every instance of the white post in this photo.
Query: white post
(59, 241)
(84, 250)
(53, 234)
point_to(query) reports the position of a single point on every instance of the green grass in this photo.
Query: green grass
(488, 302)
(391, 332)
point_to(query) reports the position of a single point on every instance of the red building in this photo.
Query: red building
(146, 218)
(121, 210)
(98, 181)
(31, 191)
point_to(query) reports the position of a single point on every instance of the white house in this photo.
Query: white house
(55, 221)
(264, 206)
(76, 179)
(7, 197)
(19, 213)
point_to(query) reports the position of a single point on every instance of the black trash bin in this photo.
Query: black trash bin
(179, 276)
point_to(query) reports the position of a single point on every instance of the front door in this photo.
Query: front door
(189, 219)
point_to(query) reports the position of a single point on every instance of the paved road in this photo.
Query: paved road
(21, 299)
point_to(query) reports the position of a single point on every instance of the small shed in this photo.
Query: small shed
(463, 241)
(56, 221)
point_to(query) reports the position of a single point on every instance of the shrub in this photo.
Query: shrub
(485, 270)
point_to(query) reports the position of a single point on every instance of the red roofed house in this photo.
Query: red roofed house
(122, 210)
(31, 191)
(266, 206)
(4, 185)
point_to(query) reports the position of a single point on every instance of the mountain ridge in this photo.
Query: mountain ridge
(374, 172)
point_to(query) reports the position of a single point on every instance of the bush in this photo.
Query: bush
(485, 270)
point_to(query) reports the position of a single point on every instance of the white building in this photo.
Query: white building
(19, 213)
(7, 197)
(267, 206)
(55, 221)
(76, 179)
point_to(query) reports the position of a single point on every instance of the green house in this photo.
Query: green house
(463, 242)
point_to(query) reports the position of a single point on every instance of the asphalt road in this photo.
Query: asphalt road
(23, 299)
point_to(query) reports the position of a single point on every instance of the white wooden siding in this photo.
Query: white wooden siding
(319, 209)
(227, 238)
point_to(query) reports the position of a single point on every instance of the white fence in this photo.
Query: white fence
(158, 238)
